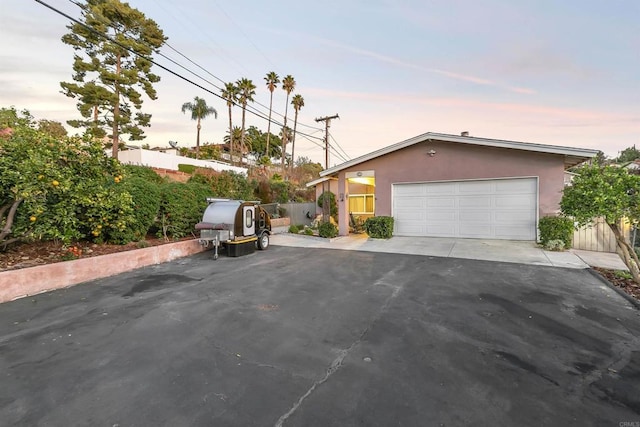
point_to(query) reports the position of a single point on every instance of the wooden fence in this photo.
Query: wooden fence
(598, 236)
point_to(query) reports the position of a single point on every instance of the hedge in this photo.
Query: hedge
(181, 208)
(379, 227)
(556, 228)
(146, 205)
(327, 229)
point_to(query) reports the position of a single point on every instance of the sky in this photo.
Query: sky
(543, 71)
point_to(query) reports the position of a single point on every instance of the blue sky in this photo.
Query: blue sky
(546, 71)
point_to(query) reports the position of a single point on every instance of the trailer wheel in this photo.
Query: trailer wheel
(263, 241)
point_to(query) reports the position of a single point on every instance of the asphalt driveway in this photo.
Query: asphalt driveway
(317, 337)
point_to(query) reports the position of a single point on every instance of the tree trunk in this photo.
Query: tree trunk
(293, 141)
(116, 114)
(629, 256)
(244, 109)
(230, 132)
(198, 140)
(284, 134)
(269, 125)
(6, 230)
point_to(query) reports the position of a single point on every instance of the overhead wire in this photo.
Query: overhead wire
(256, 113)
(341, 149)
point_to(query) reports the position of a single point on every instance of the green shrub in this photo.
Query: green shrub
(379, 227)
(294, 229)
(186, 168)
(333, 207)
(308, 231)
(623, 274)
(226, 184)
(146, 205)
(145, 172)
(556, 228)
(64, 188)
(181, 208)
(327, 229)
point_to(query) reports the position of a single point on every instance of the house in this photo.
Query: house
(633, 167)
(442, 185)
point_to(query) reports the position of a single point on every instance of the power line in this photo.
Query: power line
(257, 114)
(338, 146)
(243, 33)
(224, 82)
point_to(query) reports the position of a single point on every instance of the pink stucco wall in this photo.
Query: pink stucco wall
(455, 161)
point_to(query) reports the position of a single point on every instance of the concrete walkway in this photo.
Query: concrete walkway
(488, 250)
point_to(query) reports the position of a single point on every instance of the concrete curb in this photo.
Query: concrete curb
(622, 293)
(24, 282)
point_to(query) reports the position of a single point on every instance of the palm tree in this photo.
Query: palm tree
(288, 84)
(272, 80)
(247, 90)
(199, 110)
(230, 93)
(298, 102)
(236, 135)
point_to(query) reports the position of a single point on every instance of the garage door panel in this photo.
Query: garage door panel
(475, 187)
(411, 229)
(412, 216)
(440, 188)
(492, 209)
(475, 216)
(440, 202)
(410, 190)
(411, 202)
(516, 186)
(443, 215)
(475, 230)
(516, 201)
(516, 217)
(472, 202)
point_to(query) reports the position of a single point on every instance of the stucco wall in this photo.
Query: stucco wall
(158, 159)
(455, 161)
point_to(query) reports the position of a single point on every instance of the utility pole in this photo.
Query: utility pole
(325, 191)
(327, 122)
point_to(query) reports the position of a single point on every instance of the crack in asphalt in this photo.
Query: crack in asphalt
(336, 363)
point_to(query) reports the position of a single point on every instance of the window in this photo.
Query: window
(248, 218)
(361, 203)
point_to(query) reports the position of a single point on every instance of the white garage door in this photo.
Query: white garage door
(487, 209)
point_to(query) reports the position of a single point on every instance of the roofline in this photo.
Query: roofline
(580, 154)
(320, 180)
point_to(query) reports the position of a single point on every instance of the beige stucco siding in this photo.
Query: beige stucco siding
(455, 161)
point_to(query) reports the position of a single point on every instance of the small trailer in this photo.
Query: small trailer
(239, 226)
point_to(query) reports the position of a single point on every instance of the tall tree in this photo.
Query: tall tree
(230, 93)
(259, 143)
(108, 75)
(611, 193)
(288, 84)
(298, 102)
(247, 90)
(629, 154)
(236, 135)
(272, 80)
(199, 110)
(285, 133)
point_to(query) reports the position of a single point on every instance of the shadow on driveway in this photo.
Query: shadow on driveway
(315, 337)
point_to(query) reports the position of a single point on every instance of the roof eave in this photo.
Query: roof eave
(573, 156)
